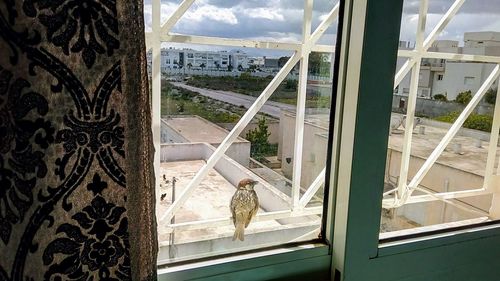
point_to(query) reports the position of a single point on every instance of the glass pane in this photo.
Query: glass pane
(438, 176)
(211, 91)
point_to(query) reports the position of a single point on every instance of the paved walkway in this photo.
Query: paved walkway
(271, 108)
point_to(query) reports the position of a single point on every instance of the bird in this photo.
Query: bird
(244, 205)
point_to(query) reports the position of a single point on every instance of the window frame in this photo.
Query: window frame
(288, 262)
(467, 254)
(366, 62)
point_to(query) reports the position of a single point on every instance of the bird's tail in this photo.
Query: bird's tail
(239, 232)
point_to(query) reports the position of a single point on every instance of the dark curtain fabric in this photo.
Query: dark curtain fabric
(76, 176)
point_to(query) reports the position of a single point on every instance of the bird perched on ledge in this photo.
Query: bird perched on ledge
(244, 206)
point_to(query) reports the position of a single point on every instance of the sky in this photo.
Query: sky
(272, 20)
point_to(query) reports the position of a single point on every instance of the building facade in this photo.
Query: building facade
(451, 77)
(201, 60)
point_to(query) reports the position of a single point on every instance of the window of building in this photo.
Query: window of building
(440, 77)
(469, 80)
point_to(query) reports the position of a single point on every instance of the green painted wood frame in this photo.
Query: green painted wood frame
(367, 79)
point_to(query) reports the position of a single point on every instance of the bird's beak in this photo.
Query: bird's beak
(255, 182)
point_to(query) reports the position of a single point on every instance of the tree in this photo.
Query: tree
(291, 84)
(189, 65)
(491, 96)
(315, 61)
(282, 61)
(202, 66)
(229, 67)
(240, 68)
(258, 138)
(464, 97)
(440, 97)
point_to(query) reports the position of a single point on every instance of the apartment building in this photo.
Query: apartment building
(450, 77)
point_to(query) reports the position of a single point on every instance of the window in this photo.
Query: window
(360, 149)
(469, 80)
(432, 178)
(213, 134)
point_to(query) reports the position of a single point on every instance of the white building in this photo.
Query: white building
(200, 60)
(450, 77)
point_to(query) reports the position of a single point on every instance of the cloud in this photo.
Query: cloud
(263, 13)
(281, 20)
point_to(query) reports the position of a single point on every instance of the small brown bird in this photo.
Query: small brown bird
(244, 206)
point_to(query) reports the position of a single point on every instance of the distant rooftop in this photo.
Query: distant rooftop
(196, 129)
(482, 36)
(471, 159)
(320, 118)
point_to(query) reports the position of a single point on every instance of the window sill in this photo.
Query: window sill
(278, 263)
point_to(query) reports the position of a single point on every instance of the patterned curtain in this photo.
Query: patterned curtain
(76, 176)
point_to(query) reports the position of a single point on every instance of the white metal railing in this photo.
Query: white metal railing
(402, 194)
(161, 33)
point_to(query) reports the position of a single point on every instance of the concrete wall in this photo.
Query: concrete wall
(239, 150)
(454, 79)
(434, 108)
(313, 152)
(440, 178)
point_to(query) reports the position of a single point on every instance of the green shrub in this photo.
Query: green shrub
(491, 96)
(464, 97)
(259, 138)
(475, 121)
(440, 97)
(291, 84)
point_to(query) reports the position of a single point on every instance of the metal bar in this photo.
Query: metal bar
(439, 196)
(456, 203)
(315, 185)
(493, 147)
(245, 119)
(408, 136)
(323, 48)
(442, 23)
(403, 71)
(322, 27)
(412, 101)
(419, 176)
(243, 43)
(301, 107)
(268, 216)
(174, 18)
(450, 56)
(156, 89)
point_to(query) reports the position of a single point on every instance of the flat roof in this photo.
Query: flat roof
(210, 200)
(197, 129)
(471, 159)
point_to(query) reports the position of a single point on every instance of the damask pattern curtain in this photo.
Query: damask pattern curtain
(76, 177)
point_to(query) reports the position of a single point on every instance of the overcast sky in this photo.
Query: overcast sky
(282, 20)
